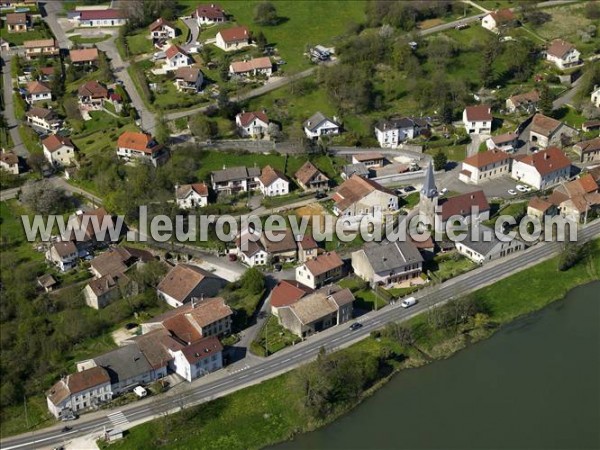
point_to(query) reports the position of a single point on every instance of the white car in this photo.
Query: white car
(512, 192)
(444, 191)
(522, 188)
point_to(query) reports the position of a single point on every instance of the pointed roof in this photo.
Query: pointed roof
(429, 188)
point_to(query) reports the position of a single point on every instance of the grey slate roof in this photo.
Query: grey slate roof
(358, 168)
(479, 245)
(235, 173)
(391, 255)
(429, 188)
(124, 363)
(315, 120)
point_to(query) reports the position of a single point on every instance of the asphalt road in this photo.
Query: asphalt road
(9, 110)
(221, 383)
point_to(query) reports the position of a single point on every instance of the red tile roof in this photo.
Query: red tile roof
(137, 141)
(237, 34)
(212, 12)
(324, 263)
(253, 64)
(287, 292)
(247, 117)
(158, 23)
(539, 203)
(307, 242)
(92, 89)
(83, 55)
(101, 14)
(503, 15)
(559, 48)
(269, 175)
(354, 189)
(548, 160)
(202, 349)
(544, 125)
(462, 205)
(479, 113)
(174, 50)
(37, 87)
(16, 19)
(54, 142)
(482, 159)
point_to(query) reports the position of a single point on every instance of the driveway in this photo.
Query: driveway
(50, 12)
(194, 32)
(9, 111)
(476, 140)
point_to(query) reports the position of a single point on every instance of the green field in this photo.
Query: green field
(78, 39)
(38, 32)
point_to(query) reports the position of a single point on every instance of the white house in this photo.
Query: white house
(160, 29)
(273, 183)
(543, 169)
(252, 67)
(482, 245)
(478, 119)
(209, 14)
(251, 252)
(79, 391)
(191, 196)
(176, 57)
(545, 131)
(100, 18)
(38, 92)
(526, 102)
(318, 125)
(235, 179)
(496, 19)
(58, 150)
(506, 142)
(317, 272)
(562, 54)
(64, 254)
(9, 162)
(358, 197)
(198, 359)
(253, 123)
(391, 133)
(132, 145)
(485, 166)
(595, 97)
(233, 38)
(43, 118)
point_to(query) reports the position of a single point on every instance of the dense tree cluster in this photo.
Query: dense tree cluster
(265, 13)
(405, 15)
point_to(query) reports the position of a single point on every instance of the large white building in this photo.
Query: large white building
(100, 18)
(484, 246)
(485, 166)
(391, 133)
(543, 169)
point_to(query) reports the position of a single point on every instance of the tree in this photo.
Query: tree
(58, 83)
(261, 41)
(546, 99)
(440, 160)
(489, 52)
(202, 127)
(106, 74)
(36, 162)
(265, 13)
(570, 255)
(44, 198)
(253, 281)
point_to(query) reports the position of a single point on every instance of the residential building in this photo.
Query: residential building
(318, 126)
(481, 245)
(17, 22)
(317, 272)
(387, 263)
(47, 282)
(79, 391)
(543, 169)
(176, 57)
(576, 199)
(485, 166)
(233, 39)
(562, 54)
(201, 317)
(273, 183)
(101, 18)
(63, 254)
(526, 102)
(185, 281)
(209, 14)
(252, 67)
(235, 179)
(198, 359)
(161, 30)
(478, 119)
(100, 292)
(9, 162)
(41, 47)
(282, 248)
(116, 260)
(496, 20)
(358, 197)
(133, 145)
(189, 79)
(590, 125)
(325, 308)
(545, 131)
(506, 142)
(92, 93)
(252, 124)
(190, 196)
(84, 56)
(254, 253)
(4, 45)
(540, 207)
(355, 169)
(307, 248)
(589, 150)
(370, 159)
(595, 97)
(285, 293)
(37, 92)
(388, 169)
(58, 150)
(43, 118)
(391, 133)
(471, 207)
(310, 178)
(86, 230)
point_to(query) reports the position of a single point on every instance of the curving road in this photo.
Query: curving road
(223, 382)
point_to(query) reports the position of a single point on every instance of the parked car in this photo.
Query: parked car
(232, 257)
(512, 192)
(140, 391)
(407, 303)
(355, 326)
(521, 188)
(444, 191)
(319, 195)
(410, 189)
(65, 429)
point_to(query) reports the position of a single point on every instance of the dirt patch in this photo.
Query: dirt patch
(122, 334)
(565, 22)
(315, 211)
(430, 23)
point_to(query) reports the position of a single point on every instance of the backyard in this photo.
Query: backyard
(272, 338)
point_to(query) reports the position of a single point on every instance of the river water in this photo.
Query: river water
(535, 384)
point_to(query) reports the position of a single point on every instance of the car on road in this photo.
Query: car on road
(512, 192)
(320, 195)
(355, 326)
(410, 189)
(67, 417)
(65, 429)
(408, 302)
(521, 188)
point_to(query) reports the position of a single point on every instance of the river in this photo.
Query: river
(534, 384)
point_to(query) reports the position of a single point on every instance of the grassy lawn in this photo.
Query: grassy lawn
(78, 39)
(411, 200)
(38, 32)
(366, 298)
(139, 43)
(272, 337)
(30, 139)
(448, 265)
(570, 116)
(101, 139)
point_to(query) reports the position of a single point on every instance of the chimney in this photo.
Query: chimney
(193, 302)
(472, 196)
(546, 155)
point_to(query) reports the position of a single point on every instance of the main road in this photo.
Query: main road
(223, 382)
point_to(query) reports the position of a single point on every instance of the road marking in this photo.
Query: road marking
(117, 418)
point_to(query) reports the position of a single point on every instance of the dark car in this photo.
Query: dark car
(356, 326)
(131, 325)
(65, 429)
(320, 195)
(409, 189)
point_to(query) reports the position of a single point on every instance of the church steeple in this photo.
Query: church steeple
(429, 188)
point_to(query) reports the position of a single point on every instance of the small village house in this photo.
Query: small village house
(273, 183)
(198, 359)
(41, 47)
(526, 102)
(84, 56)
(9, 162)
(36, 91)
(17, 22)
(47, 282)
(58, 150)
(282, 248)
(161, 30)
(545, 131)
(92, 94)
(576, 199)
(254, 253)
(176, 57)
(310, 178)
(540, 208)
(589, 150)
(543, 169)
(63, 254)
(484, 166)
(189, 196)
(391, 133)
(43, 118)
(252, 67)
(285, 293)
(185, 281)
(595, 96)
(562, 54)
(235, 179)
(472, 207)
(100, 292)
(495, 21)
(369, 159)
(485, 246)
(209, 14)
(358, 197)
(133, 145)
(318, 125)
(478, 119)
(252, 123)
(231, 39)
(321, 270)
(307, 248)
(189, 79)
(506, 142)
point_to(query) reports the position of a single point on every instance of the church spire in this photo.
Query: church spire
(429, 188)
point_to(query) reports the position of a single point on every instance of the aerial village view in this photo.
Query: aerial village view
(326, 224)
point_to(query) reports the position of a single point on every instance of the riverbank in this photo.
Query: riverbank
(278, 409)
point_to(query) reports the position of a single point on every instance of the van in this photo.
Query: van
(407, 303)
(140, 391)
